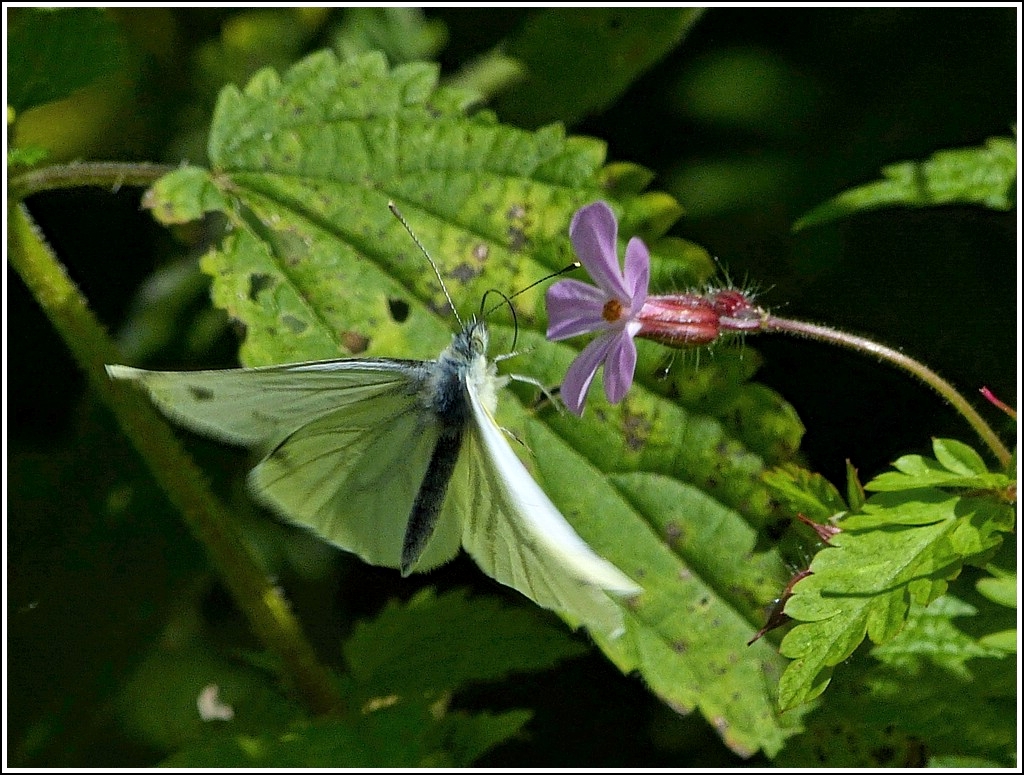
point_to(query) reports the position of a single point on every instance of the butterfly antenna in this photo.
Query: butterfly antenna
(545, 278)
(504, 300)
(394, 211)
(508, 299)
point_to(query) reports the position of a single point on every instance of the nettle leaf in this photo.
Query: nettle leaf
(404, 735)
(901, 550)
(435, 643)
(53, 52)
(983, 176)
(315, 266)
(805, 492)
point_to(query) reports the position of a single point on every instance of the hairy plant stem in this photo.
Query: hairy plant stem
(103, 174)
(174, 470)
(895, 357)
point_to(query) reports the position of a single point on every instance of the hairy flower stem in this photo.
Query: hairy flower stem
(174, 470)
(898, 359)
(103, 174)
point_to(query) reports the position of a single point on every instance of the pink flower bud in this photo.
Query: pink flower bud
(678, 320)
(735, 310)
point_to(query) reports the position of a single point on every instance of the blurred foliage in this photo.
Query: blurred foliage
(755, 117)
(984, 176)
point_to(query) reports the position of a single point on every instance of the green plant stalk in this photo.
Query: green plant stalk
(104, 174)
(174, 470)
(898, 359)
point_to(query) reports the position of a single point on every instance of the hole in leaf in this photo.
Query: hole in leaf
(399, 310)
(259, 282)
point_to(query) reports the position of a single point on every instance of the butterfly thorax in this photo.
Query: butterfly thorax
(463, 361)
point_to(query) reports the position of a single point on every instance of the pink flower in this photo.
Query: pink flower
(619, 309)
(611, 308)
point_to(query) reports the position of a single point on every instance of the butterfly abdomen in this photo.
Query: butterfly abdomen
(445, 396)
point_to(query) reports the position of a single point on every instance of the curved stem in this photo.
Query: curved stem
(895, 357)
(105, 174)
(174, 470)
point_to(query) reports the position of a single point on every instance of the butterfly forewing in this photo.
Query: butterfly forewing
(253, 407)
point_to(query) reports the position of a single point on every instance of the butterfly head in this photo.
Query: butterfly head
(471, 341)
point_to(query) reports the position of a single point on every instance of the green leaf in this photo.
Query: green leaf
(27, 156)
(316, 267)
(956, 466)
(158, 704)
(805, 492)
(436, 643)
(932, 691)
(403, 34)
(956, 456)
(184, 195)
(931, 634)
(902, 550)
(983, 176)
(404, 735)
(854, 489)
(1001, 590)
(53, 52)
(581, 60)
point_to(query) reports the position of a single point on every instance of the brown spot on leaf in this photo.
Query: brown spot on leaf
(294, 324)
(673, 532)
(355, 342)
(517, 239)
(636, 430)
(464, 273)
(200, 393)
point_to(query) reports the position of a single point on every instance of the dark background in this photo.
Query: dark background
(850, 91)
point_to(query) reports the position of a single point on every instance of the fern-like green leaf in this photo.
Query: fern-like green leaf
(403, 735)
(932, 693)
(435, 643)
(315, 266)
(955, 465)
(983, 176)
(901, 550)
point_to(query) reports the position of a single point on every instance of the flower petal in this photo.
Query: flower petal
(581, 372)
(638, 273)
(619, 367)
(593, 231)
(574, 308)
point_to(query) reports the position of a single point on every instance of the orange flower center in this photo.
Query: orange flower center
(613, 310)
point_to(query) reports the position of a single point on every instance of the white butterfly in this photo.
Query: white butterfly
(400, 462)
